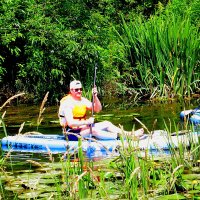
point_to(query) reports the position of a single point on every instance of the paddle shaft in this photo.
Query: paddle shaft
(94, 85)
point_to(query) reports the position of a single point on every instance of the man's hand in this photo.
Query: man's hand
(90, 121)
(94, 91)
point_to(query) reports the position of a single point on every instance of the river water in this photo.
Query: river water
(154, 116)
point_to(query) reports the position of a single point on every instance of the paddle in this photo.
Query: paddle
(94, 84)
(90, 149)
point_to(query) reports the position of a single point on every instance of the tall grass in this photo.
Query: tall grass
(4, 113)
(42, 109)
(164, 53)
(142, 176)
(3, 159)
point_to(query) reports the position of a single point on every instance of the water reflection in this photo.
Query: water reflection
(152, 115)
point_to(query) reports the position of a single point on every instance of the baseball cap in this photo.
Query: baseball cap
(75, 84)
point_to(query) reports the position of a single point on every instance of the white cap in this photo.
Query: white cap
(75, 84)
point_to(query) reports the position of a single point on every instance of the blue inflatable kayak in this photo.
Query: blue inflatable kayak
(158, 141)
(192, 115)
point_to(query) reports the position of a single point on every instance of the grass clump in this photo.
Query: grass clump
(163, 51)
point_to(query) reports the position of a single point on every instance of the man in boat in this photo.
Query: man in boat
(72, 115)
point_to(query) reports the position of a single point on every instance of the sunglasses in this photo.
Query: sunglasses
(78, 89)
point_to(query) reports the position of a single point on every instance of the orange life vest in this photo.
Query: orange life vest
(79, 110)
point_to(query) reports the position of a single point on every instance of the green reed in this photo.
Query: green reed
(3, 126)
(131, 169)
(185, 157)
(78, 175)
(143, 174)
(182, 155)
(42, 109)
(4, 113)
(164, 53)
(3, 159)
(1, 184)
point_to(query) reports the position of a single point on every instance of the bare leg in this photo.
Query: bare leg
(106, 125)
(100, 134)
(107, 130)
(138, 133)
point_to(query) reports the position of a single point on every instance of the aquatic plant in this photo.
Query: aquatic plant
(3, 124)
(163, 52)
(4, 104)
(72, 176)
(154, 176)
(10, 99)
(42, 109)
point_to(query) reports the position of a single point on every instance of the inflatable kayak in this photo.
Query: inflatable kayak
(192, 115)
(157, 141)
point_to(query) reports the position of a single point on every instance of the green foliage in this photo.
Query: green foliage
(46, 44)
(164, 53)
